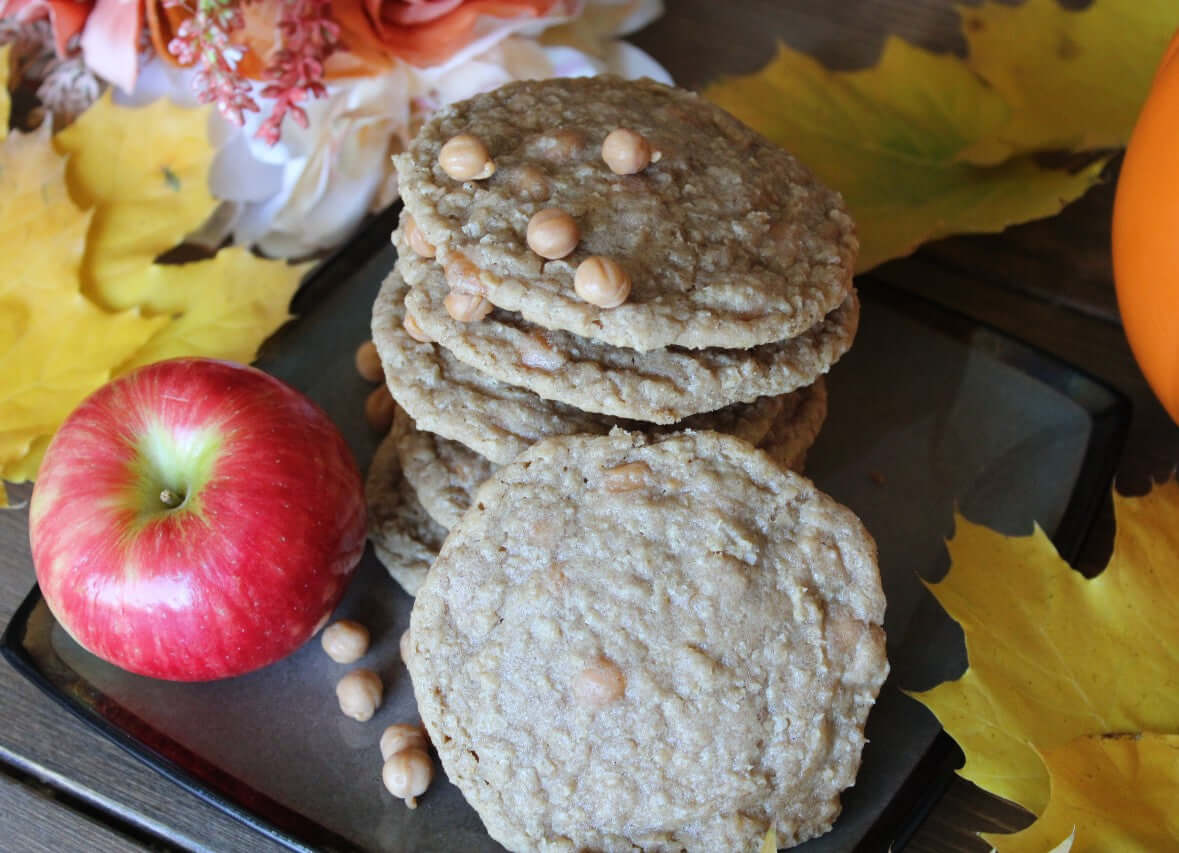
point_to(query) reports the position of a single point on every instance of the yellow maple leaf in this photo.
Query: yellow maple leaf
(55, 345)
(226, 306)
(1054, 656)
(1075, 79)
(1115, 792)
(144, 171)
(103, 304)
(890, 139)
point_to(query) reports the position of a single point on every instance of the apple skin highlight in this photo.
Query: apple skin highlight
(196, 519)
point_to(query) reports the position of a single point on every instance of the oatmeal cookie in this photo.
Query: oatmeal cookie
(661, 386)
(650, 643)
(405, 538)
(497, 420)
(797, 427)
(727, 240)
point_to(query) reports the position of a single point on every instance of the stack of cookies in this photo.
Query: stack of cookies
(638, 631)
(579, 255)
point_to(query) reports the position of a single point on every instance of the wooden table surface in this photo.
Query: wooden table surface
(1049, 283)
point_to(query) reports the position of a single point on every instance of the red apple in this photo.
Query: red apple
(195, 519)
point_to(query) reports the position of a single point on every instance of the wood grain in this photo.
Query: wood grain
(45, 825)
(40, 739)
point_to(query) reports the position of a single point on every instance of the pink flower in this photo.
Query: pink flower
(110, 42)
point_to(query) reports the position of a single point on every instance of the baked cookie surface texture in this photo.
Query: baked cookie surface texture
(659, 643)
(728, 240)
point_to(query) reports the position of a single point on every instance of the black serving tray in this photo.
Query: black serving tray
(929, 412)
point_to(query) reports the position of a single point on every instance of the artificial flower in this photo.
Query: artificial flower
(295, 46)
(315, 186)
(110, 41)
(64, 85)
(427, 33)
(67, 17)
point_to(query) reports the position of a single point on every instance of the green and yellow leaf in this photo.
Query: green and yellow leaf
(1074, 79)
(890, 138)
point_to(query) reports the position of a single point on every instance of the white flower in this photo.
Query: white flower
(311, 190)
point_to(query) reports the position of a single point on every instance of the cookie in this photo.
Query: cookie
(797, 427)
(661, 386)
(444, 474)
(727, 239)
(634, 643)
(445, 396)
(496, 420)
(404, 537)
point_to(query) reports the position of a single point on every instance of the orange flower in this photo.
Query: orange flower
(374, 34)
(422, 32)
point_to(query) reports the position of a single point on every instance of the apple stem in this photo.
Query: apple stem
(171, 499)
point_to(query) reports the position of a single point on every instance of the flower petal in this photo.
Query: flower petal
(110, 41)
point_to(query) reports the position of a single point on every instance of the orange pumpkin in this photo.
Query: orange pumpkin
(1146, 235)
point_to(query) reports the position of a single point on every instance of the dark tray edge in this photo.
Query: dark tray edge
(1109, 410)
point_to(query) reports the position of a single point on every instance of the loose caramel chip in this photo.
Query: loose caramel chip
(360, 693)
(407, 775)
(466, 307)
(465, 158)
(627, 477)
(422, 247)
(402, 736)
(552, 233)
(601, 281)
(368, 362)
(626, 152)
(379, 408)
(345, 641)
